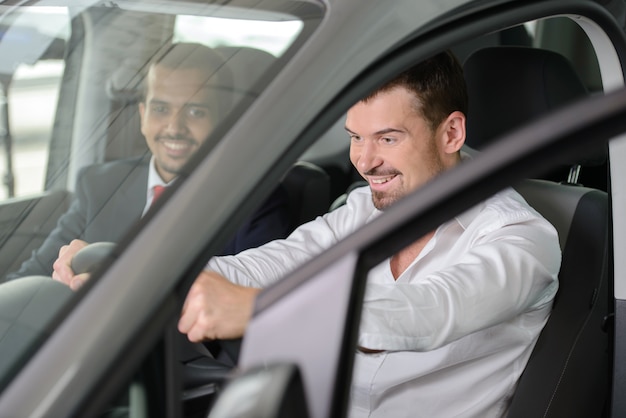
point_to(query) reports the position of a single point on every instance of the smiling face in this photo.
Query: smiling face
(176, 116)
(393, 147)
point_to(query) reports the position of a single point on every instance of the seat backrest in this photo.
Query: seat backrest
(568, 372)
(308, 191)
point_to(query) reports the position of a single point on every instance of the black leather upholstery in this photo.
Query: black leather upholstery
(508, 86)
(512, 85)
(308, 188)
(568, 372)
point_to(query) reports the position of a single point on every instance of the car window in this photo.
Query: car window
(99, 102)
(30, 88)
(273, 37)
(73, 80)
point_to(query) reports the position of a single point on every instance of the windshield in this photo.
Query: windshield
(102, 103)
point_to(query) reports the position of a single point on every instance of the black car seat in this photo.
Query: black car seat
(511, 85)
(123, 87)
(308, 191)
(568, 374)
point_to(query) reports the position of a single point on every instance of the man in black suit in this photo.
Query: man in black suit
(185, 95)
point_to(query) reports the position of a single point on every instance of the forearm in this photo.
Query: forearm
(262, 266)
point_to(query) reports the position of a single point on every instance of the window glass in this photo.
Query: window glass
(99, 104)
(270, 36)
(30, 87)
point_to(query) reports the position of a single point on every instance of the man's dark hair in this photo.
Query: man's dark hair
(438, 85)
(185, 56)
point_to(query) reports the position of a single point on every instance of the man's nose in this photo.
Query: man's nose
(176, 123)
(369, 157)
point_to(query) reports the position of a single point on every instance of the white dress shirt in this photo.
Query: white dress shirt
(457, 326)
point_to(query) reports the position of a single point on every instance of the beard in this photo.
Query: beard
(383, 200)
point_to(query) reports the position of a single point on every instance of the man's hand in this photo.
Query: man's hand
(216, 308)
(62, 266)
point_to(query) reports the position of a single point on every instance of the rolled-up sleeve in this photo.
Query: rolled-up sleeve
(264, 265)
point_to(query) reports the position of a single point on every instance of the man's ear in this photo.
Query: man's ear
(454, 132)
(142, 111)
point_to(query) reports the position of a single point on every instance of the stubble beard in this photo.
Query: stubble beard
(382, 200)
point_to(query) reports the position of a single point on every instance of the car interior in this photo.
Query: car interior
(569, 373)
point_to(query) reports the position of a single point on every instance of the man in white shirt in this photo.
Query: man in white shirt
(448, 322)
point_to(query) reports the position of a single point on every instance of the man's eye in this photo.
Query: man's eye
(157, 108)
(387, 140)
(197, 112)
(355, 138)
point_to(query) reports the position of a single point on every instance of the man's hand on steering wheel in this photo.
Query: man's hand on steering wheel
(216, 308)
(63, 265)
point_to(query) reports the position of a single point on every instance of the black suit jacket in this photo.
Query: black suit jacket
(110, 198)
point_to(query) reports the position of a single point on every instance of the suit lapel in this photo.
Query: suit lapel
(123, 206)
(133, 193)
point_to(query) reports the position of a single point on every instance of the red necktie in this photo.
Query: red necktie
(157, 191)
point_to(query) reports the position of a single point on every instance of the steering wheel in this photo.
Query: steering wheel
(89, 258)
(28, 306)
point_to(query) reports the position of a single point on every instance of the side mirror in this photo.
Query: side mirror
(274, 391)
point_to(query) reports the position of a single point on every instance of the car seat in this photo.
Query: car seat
(568, 374)
(308, 191)
(248, 66)
(511, 85)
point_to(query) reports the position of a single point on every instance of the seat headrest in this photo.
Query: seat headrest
(508, 86)
(124, 84)
(247, 64)
(511, 85)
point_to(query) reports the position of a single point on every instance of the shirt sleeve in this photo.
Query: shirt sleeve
(264, 265)
(507, 271)
(259, 267)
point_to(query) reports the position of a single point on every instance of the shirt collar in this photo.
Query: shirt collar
(467, 217)
(154, 179)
